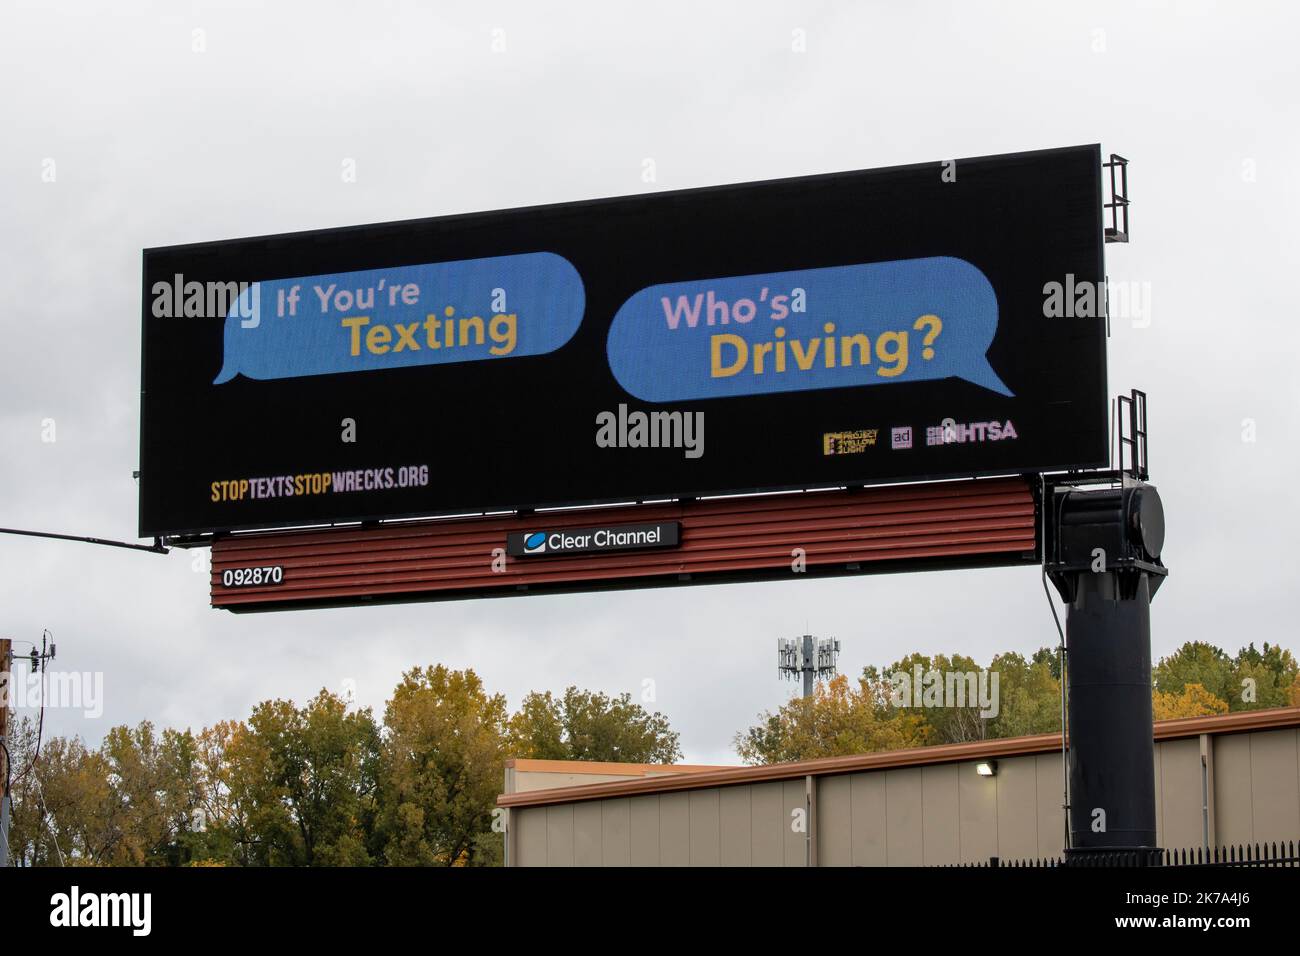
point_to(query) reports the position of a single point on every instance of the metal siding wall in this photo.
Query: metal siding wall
(795, 844)
(835, 821)
(1050, 789)
(940, 815)
(1232, 784)
(1275, 785)
(1209, 753)
(1017, 795)
(768, 839)
(870, 819)
(736, 814)
(904, 832)
(960, 520)
(932, 815)
(675, 829)
(559, 835)
(587, 833)
(530, 835)
(706, 831)
(1178, 793)
(644, 815)
(616, 832)
(1160, 823)
(978, 808)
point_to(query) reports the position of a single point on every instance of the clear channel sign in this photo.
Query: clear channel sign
(926, 321)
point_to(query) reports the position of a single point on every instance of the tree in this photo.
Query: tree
(1029, 696)
(154, 794)
(61, 803)
(442, 767)
(1051, 656)
(836, 721)
(1196, 663)
(585, 725)
(960, 701)
(919, 686)
(1251, 680)
(1262, 678)
(1194, 701)
(304, 783)
(224, 835)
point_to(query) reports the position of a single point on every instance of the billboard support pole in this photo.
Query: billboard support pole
(1104, 558)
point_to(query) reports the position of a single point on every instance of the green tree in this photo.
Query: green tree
(586, 725)
(1029, 697)
(442, 768)
(304, 783)
(1196, 663)
(947, 722)
(959, 701)
(1262, 678)
(1051, 656)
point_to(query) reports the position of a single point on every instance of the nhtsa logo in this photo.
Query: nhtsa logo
(628, 537)
(133, 910)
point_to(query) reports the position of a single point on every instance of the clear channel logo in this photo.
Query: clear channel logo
(569, 541)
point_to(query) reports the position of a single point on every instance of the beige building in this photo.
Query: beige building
(923, 807)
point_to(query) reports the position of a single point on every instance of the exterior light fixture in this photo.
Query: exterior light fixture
(987, 768)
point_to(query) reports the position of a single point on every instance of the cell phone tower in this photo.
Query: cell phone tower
(812, 658)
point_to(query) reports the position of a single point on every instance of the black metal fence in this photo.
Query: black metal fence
(1285, 854)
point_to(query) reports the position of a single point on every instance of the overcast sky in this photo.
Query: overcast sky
(153, 143)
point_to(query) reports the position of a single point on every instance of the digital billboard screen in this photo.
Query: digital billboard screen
(934, 320)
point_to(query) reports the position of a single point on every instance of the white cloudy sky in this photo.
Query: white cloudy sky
(155, 144)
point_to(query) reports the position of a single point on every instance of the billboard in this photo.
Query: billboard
(916, 322)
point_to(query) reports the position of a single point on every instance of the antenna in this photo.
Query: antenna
(812, 658)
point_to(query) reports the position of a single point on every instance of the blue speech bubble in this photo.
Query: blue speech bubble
(905, 321)
(439, 313)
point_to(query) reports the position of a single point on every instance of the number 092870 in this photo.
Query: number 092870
(252, 577)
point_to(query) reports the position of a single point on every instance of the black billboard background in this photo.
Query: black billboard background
(520, 432)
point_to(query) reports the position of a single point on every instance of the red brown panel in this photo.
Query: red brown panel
(913, 527)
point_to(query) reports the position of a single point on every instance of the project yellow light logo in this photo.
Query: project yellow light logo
(849, 443)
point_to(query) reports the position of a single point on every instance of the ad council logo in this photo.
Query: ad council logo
(901, 437)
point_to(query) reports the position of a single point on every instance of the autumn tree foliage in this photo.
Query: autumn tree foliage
(1194, 701)
(586, 725)
(1196, 680)
(324, 784)
(330, 784)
